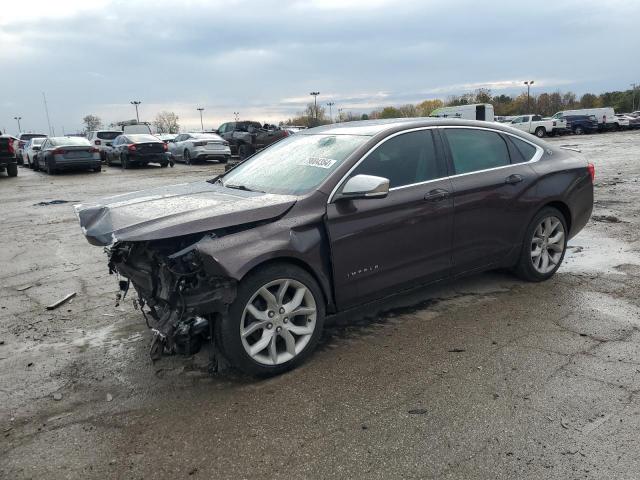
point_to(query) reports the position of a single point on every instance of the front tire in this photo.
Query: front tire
(187, 157)
(540, 132)
(578, 131)
(275, 322)
(544, 246)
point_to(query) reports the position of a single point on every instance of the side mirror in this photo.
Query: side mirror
(364, 186)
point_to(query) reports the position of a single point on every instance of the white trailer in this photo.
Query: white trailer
(476, 111)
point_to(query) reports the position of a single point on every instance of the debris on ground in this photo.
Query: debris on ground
(417, 411)
(109, 397)
(57, 396)
(456, 350)
(61, 301)
(54, 202)
(22, 289)
(606, 218)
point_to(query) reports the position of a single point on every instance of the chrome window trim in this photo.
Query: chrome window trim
(535, 158)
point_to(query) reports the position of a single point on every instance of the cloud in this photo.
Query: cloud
(263, 58)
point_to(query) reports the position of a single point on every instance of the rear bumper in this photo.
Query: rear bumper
(73, 164)
(148, 158)
(213, 156)
(4, 161)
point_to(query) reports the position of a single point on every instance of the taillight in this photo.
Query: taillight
(94, 150)
(592, 171)
(11, 149)
(199, 144)
(132, 148)
(98, 142)
(58, 151)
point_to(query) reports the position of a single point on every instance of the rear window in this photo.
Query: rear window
(69, 141)
(29, 136)
(474, 150)
(143, 138)
(108, 135)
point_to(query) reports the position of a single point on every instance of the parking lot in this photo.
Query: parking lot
(487, 377)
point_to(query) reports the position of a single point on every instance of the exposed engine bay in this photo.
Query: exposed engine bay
(178, 299)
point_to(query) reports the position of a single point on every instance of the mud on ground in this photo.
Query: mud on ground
(487, 377)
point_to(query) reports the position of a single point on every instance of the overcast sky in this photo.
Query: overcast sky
(262, 58)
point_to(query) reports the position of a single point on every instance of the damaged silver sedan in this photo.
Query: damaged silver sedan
(329, 219)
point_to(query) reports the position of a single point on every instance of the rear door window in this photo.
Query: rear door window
(475, 149)
(404, 159)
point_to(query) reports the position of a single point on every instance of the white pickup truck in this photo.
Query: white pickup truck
(539, 126)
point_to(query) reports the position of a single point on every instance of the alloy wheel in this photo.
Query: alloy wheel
(278, 321)
(547, 244)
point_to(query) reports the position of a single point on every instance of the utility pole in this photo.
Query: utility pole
(340, 115)
(330, 104)
(315, 105)
(633, 96)
(200, 109)
(528, 84)
(46, 110)
(136, 103)
(18, 120)
(236, 115)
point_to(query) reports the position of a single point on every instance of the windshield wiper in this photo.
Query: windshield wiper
(240, 187)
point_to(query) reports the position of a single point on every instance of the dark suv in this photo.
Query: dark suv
(8, 160)
(580, 124)
(247, 137)
(333, 217)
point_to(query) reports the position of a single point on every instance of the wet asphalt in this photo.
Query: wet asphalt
(485, 377)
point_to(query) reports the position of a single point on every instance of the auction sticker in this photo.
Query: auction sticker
(320, 162)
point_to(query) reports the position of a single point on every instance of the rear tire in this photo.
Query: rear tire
(12, 170)
(277, 329)
(542, 240)
(224, 160)
(540, 132)
(164, 164)
(124, 161)
(98, 169)
(36, 165)
(50, 169)
(186, 157)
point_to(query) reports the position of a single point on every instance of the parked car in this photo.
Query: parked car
(165, 137)
(23, 138)
(31, 150)
(66, 153)
(537, 125)
(8, 160)
(247, 137)
(604, 115)
(137, 149)
(333, 217)
(102, 140)
(579, 124)
(192, 147)
(628, 121)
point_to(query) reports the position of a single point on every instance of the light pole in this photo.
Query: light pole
(633, 96)
(315, 105)
(236, 115)
(18, 120)
(528, 84)
(136, 103)
(200, 109)
(330, 104)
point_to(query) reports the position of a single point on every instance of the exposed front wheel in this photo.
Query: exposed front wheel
(540, 132)
(544, 246)
(275, 321)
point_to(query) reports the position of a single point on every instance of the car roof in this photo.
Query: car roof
(375, 127)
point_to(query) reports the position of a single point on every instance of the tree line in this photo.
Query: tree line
(545, 104)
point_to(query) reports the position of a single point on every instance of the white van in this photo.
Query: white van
(476, 111)
(606, 116)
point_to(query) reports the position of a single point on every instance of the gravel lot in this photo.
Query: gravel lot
(487, 377)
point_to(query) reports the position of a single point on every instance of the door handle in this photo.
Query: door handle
(436, 195)
(513, 179)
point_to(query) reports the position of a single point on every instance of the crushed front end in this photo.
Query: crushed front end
(179, 299)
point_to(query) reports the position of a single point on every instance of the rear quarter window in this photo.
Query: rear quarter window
(526, 150)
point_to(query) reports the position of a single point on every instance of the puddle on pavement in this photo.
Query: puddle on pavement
(590, 252)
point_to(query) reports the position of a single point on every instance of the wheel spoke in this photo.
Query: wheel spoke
(555, 247)
(296, 300)
(273, 349)
(268, 297)
(301, 330)
(253, 327)
(545, 261)
(290, 341)
(282, 290)
(557, 238)
(261, 344)
(257, 314)
(536, 252)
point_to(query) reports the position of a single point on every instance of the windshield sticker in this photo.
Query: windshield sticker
(320, 162)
